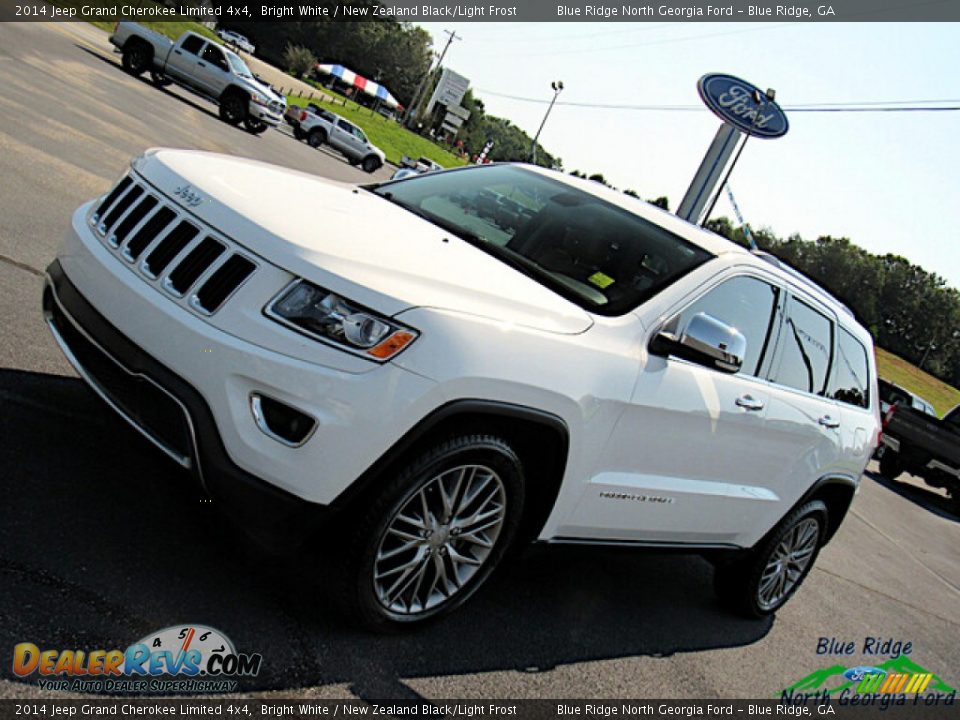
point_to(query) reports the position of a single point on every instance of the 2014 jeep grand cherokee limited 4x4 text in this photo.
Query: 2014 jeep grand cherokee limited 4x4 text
(388, 361)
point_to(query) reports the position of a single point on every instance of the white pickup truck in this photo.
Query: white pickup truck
(204, 67)
(322, 127)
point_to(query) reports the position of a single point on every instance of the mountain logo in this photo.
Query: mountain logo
(897, 675)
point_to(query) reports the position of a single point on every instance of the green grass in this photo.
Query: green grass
(388, 135)
(172, 29)
(899, 371)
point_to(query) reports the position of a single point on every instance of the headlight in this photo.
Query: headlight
(326, 316)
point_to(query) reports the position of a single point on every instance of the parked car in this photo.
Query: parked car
(421, 165)
(203, 67)
(431, 390)
(923, 445)
(292, 114)
(236, 40)
(893, 394)
(409, 167)
(322, 127)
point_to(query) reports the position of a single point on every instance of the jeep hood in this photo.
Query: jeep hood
(356, 243)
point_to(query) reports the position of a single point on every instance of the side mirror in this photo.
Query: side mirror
(705, 341)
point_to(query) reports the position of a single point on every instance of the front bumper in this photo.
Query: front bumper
(170, 413)
(187, 381)
(265, 114)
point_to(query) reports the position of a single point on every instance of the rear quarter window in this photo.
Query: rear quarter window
(851, 377)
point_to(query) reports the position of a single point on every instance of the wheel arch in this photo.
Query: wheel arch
(540, 439)
(234, 90)
(135, 40)
(836, 492)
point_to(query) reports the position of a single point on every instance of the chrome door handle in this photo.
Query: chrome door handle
(829, 422)
(748, 403)
(177, 52)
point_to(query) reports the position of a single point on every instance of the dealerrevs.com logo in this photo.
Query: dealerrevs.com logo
(181, 658)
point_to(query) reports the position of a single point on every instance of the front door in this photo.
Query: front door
(689, 461)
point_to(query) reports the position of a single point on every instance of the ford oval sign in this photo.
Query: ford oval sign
(735, 101)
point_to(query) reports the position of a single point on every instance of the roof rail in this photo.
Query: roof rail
(796, 274)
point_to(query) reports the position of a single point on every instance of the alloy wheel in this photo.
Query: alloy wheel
(438, 539)
(788, 563)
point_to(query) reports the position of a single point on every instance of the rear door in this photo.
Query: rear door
(804, 425)
(183, 59)
(688, 462)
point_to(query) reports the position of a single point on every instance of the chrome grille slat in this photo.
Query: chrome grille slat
(169, 248)
(134, 247)
(222, 284)
(132, 218)
(178, 281)
(111, 198)
(120, 208)
(170, 252)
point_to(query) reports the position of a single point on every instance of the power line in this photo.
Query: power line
(866, 106)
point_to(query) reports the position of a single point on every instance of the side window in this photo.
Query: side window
(344, 125)
(745, 303)
(193, 44)
(804, 349)
(213, 56)
(359, 133)
(851, 378)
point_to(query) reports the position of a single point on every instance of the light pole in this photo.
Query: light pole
(557, 87)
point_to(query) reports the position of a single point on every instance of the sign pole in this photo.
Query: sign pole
(745, 110)
(711, 168)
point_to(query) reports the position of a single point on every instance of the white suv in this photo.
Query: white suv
(390, 361)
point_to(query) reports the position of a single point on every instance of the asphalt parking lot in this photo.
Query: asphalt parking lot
(103, 539)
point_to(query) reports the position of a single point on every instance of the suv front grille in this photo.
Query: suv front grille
(169, 248)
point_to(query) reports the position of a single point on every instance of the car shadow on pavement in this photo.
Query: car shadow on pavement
(927, 498)
(104, 540)
(145, 79)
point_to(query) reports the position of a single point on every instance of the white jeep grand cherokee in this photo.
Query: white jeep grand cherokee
(441, 381)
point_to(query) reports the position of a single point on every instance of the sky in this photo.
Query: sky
(888, 181)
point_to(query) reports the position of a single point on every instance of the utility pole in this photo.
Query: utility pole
(412, 111)
(557, 88)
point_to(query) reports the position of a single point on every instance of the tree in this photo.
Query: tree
(661, 202)
(299, 59)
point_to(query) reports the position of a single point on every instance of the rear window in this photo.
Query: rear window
(193, 44)
(851, 376)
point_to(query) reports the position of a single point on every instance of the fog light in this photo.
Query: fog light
(281, 422)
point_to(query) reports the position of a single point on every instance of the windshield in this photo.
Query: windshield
(238, 65)
(600, 256)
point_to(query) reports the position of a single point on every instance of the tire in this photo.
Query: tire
(136, 58)
(254, 126)
(233, 109)
(744, 586)
(316, 138)
(371, 164)
(891, 467)
(159, 79)
(410, 558)
(298, 133)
